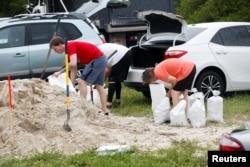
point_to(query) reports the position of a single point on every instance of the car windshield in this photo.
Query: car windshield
(193, 31)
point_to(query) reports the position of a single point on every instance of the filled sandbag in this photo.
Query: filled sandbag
(197, 114)
(177, 114)
(162, 111)
(157, 93)
(61, 82)
(215, 108)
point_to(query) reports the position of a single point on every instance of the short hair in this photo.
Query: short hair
(56, 41)
(147, 75)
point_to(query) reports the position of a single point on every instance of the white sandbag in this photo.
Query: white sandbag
(192, 97)
(215, 108)
(157, 92)
(61, 82)
(197, 114)
(162, 111)
(96, 97)
(177, 114)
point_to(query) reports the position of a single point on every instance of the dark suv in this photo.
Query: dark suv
(24, 42)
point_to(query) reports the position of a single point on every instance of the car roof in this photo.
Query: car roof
(206, 30)
(48, 16)
(218, 24)
(42, 16)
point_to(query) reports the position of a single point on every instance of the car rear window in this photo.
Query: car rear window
(193, 31)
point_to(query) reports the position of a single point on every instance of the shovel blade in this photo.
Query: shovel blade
(66, 126)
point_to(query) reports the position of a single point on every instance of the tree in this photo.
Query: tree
(12, 7)
(195, 11)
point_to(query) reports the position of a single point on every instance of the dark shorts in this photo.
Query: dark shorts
(119, 71)
(186, 83)
(94, 72)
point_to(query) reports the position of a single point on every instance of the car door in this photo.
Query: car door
(231, 47)
(40, 35)
(13, 52)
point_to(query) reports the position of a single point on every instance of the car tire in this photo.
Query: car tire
(209, 81)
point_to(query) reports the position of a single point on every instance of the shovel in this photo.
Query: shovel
(66, 126)
(49, 52)
(91, 94)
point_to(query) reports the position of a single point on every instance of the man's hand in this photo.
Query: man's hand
(168, 94)
(56, 74)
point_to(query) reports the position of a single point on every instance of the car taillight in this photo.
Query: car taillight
(229, 144)
(174, 54)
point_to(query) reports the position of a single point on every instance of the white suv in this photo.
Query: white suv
(24, 42)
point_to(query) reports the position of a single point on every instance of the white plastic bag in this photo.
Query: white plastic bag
(215, 108)
(61, 82)
(177, 114)
(157, 92)
(197, 114)
(161, 112)
(96, 97)
(192, 97)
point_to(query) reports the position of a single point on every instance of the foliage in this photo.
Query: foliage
(12, 7)
(195, 11)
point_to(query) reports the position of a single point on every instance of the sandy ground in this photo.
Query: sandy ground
(39, 111)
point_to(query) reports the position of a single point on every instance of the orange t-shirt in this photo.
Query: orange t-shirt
(179, 68)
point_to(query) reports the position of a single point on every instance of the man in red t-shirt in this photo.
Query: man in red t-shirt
(176, 71)
(94, 60)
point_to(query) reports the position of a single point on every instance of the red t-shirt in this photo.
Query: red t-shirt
(179, 68)
(86, 52)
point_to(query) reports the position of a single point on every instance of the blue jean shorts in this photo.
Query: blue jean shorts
(94, 72)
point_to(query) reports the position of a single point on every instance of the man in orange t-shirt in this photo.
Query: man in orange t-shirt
(176, 71)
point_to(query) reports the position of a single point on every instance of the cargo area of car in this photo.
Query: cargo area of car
(146, 57)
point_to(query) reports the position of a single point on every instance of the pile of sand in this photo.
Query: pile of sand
(39, 111)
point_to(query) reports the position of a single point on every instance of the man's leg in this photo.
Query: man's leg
(175, 97)
(102, 95)
(185, 93)
(118, 89)
(111, 91)
(83, 88)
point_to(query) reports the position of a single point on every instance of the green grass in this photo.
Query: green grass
(237, 107)
(133, 103)
(180, 154)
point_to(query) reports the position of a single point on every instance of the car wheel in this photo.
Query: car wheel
(209, 81)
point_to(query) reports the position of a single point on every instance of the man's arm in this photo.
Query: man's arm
(73, 68)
